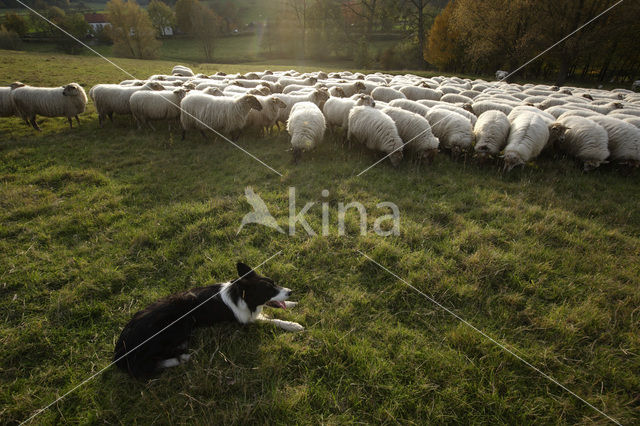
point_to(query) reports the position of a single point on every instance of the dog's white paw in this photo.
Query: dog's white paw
(290, 304)
(184, 358)
(292, 326)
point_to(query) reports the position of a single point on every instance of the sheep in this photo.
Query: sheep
(415, 132)
(525, 110)
(415, 93)
(454, 98)
(491, 132)
(181, 70)
(581, 138)
(219, 113)
(468, 115)
(635, 86)
(148, 105)
(602, 109)
(67, 101)
(7, 108)
(409, 105)
(376, 130)
(349, 89)
(337, 92)
(336, 110)
(306, 125)
(386, 94)
(633, 120)
(452, 129)
(528, 136)
(624, 140)
(578, 113)
(266, 118)
(285, 81)
(483, 106)
(112, 98)
(318, 97)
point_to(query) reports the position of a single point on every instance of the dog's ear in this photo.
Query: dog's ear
(244, 271)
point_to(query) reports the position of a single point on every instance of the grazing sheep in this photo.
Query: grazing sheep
(318, 97)
(151, 105)
(624, 140)
(491, 132)
(452, 129)
(415, 132)
(386, 94)
(409, 105)
(113, 98)
(336, 110)
(449, 107)
(483, 106)
(219, 113)
(377, 131)
(286, 81)
(306, 125)
(581, 138)
(416, 93)
(454, 98)
(7, 108)
(266, 118)
(528, 136)
(349, 89)
(182, 71)
(579, 113)
(66, 101)
(337, 92)
(526, 110)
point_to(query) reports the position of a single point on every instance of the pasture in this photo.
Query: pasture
(97, 223)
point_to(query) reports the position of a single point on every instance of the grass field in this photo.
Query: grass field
(97, 223)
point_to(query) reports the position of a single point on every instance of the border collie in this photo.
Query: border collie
(240, 300)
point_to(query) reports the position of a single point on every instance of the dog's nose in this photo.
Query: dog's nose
(289, 293)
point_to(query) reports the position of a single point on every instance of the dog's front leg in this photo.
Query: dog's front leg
(285, 325)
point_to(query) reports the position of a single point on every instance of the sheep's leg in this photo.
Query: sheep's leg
(204, 134)
(100, 120)
(35, 124)
(153, 128)
(111, 116)
(184, 134)
(70, 122)
(78, 120)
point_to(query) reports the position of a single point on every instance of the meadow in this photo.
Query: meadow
(97, 223)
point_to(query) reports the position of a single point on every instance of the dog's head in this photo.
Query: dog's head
(257, 290)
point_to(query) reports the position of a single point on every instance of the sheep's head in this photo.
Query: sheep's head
(468, 107)
(213, 91)
(312, 80)
(566, 92)
(278, 103)
(72, 89)
(253, 102)
(177, 83)
(360, 87)
(335, 75)
(557, 132)
(511, 160)
(590, 165)
(180, 93)
(160, 77)
(365, 100)
(320, 97)
(16, 84)
(322, 75)
(588, 96)
(237, 83)
(252, 76)
(153, 85)
(189, 86)
(200, 75)
(221, 73)
(428, 155)
(618, 105)
(555, 88)
(338, 92)
(396, 158)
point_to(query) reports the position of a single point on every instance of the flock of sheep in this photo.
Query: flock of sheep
(396, 115)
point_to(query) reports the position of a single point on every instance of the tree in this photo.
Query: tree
(184, 13)
(444, 48)
(131, 30)
(75, 25)
(300, 8)
(205, 26)
(161, 16)
(16, 23)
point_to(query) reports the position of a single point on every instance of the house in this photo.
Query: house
(97, 21)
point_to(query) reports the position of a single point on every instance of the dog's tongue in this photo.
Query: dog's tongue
(277, 304)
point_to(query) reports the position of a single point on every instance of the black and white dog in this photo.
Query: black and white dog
(240, 300)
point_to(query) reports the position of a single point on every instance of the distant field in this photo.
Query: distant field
(97, 223)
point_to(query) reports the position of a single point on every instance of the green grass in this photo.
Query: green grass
(97, 223)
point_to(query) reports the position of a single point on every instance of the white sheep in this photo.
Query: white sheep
(633, 120)
(415, 132)
(349, 89)
(67, 101)
(7, 108)
(483, 106)
(581, 138)
(265, 118)
(376, 130)
(386, 94)
(181, 70)
(624, 139)
(410, 105)
(416, 93)
(455, 98)
(336, 110)
(528, 136)
(306, 125)
(318, 97)
(463, 112)
(491, 132)
(113, 98)
(151, 105)
(219, 113)
(452, 129)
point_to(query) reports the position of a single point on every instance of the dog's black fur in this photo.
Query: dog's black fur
(144, 362)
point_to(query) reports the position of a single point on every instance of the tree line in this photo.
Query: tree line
(480, 37)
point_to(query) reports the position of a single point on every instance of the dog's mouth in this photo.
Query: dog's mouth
(276, 304)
